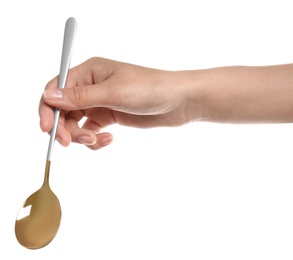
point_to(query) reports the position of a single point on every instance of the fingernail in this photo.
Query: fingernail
(87, 140)
(53, 94)
(106, 140)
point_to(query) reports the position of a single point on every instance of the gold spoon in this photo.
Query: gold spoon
(38, 219)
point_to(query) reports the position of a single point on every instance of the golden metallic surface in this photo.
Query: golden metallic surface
(39, 225)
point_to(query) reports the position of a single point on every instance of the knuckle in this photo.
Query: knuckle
(79, 94)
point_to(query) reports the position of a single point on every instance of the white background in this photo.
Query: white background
(201, 191)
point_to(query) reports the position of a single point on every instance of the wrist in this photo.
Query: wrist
(191, 92)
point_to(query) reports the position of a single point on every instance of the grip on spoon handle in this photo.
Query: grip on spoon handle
(68, 40)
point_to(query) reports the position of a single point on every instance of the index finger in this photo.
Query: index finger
(46, 112)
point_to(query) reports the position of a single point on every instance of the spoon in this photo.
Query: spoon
(38, 219)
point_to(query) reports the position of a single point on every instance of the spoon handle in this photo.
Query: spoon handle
(69, 34)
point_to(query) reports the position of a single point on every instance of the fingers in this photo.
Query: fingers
(63, 136)
(79, 75)
(83, 86)
(75, 98)
(69, 130)
(89, 134)
(46, 112)
(102, 140)
(79, 135)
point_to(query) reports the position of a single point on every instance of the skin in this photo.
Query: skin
(104, 92)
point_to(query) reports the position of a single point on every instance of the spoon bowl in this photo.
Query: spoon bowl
(38, 219)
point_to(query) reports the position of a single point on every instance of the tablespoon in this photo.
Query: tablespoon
(38, 219)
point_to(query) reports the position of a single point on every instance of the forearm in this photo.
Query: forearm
(241, 94)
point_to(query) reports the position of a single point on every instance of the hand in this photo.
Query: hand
(105, 92)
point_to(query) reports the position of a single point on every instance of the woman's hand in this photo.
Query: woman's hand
(106, 92)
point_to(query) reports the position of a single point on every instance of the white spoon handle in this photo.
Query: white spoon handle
(69, 35)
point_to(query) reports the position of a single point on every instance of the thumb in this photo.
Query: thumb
(75, 98)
